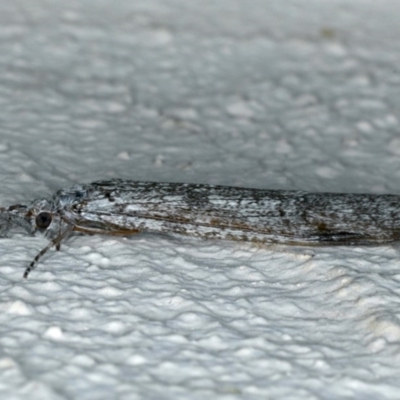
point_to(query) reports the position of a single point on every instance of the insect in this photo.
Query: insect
(123, 207)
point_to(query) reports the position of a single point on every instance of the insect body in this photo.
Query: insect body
(122, 207)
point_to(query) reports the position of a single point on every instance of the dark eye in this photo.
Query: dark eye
(43, 220)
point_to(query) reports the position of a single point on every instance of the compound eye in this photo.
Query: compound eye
(43, 220)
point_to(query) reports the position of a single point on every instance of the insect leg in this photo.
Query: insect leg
(55, 242)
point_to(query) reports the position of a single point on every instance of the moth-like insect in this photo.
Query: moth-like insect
(123, 207)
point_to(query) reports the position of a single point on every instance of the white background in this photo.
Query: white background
(259, 93)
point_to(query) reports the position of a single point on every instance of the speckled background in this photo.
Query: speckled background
(259, 93)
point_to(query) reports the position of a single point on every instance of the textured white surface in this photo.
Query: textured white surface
(292, 95)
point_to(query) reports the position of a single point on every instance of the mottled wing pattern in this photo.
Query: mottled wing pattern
(274, 216)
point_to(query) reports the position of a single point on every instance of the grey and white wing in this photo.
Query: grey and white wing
(292, 217)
